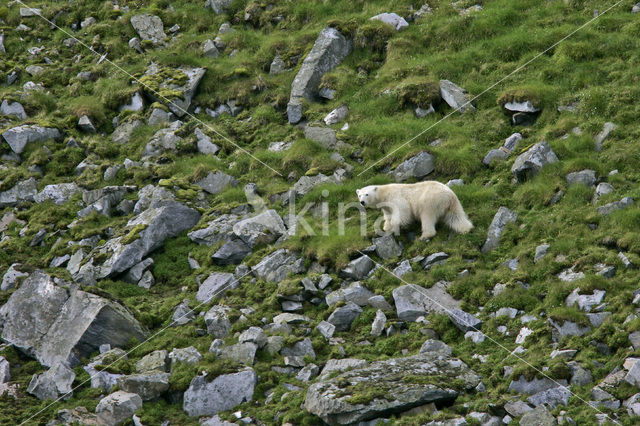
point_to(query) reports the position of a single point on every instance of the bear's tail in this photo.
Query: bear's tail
(456, 218)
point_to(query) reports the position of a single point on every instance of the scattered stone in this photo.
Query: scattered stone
(205, 146)
(585, 302)
(538, 417)
(584, 177)
(254, 335)
(329, 49)
(12, 108)
(12, 276)
(215, 285)
(216, 182)
(421, 112)
(136, 104)
(54, 383)
(178, 104)
(277, 65)
(393, 19)
(463, 320)
(568, 275)
(117, 407)
(263, 228)
(413, 301)
(149, 386)
(604, 134)
(343, 316)
(616, 205)
(232, 252)
(209, 49)
(218, 230)
(278, 265)
(182, 314)
(218, 6)
(207, 398)
(354, 292)
(402, 269)
(551, 397)
(529, 163)
(188, 355)
(418, 166)
(502, 218)
(625, 261)
(326, 329)
(455, 96)
(149, 28)
(378, 323)
(434, 259)
(325, 136)
(541, 251)
(358, 269)
(337, 115)
(217, 321)
(124, 131)
(19, 137)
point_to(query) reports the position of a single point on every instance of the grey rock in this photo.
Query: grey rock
(603, 188)
(567, 328)
(422, 112)
(111, 172)
(517, 408)
(300, 349)
(277, 65)
(326, 329)
(148, 386)
(327, 93)
(164, 140)
(232, 252)
(434, 259)
(243, 353)
(215, 285)
(455, 96)
(278, 265)
(54, 383)
(28, 12)
(59, 261)
(158, 116)
(604, 134)
(220, 229)
(147, 280)
(122, 134)
(12, 108)
(218, 6)
(625, 261)
(354, 292)
(254, 335)
(341, 365)
(413, 301)
(502, 218)
(568, 275)
(343, 316)
(263, 228)
(205, 146)
(63, 324)
(330, 402)
(101, 378)
(287, 318)
(416, 167)
(463, 320)
(379, 302)
(616, 205)
(103, 200)
(207, 398)
(307, 183)
(134, 274)
(149, 28)
(34, 70)
(541, 251)
(523, 106)
(279, 146)
(435, 347)
(19, 137)
(12, 276)
(188, 355)
(387, 247)
(358, 268)
(307, 373)
(538, 417)
(393, 19)
(5, 373)
(633, 376)
(534, 386)
(403, 268)
(182, 314)
(159, 224)
(117, 407)
(585, 302)
(585, 177)
(85, 124)
(153, 362)
(209, 49)
(217, 321)
(551, 397)
(217, 182)
(136, 104)
(579, 375)
(379, 323)
(324, 136)
(329, 49)
(529, 163)
(337, 115)
(178, 106)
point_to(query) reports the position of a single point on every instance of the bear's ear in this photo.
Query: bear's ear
(357, 192)
(375, 189)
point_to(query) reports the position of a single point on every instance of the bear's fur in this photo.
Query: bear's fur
(427, 202)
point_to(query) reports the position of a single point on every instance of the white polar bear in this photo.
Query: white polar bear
(427, 201)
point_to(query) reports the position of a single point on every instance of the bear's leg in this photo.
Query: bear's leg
(428, 226)
(386, 227)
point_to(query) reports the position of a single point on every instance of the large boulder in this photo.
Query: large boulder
(150, 229)
(19, 137)
(389, 387)
(501, 219)
(413, 301)
(59, 323)
(277, 265)
(207, 398)
(185, 81)
(415, 167)
(329, 49)
(529, 163)
(149, 28)
(22, 192)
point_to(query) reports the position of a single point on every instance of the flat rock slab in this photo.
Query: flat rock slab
(413, 301)
(62, 324)
(389, 387)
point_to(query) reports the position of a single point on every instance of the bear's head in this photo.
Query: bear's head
(368, 196)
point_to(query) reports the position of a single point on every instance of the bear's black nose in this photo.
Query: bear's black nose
(362, 202)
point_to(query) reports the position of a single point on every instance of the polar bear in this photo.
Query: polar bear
(426, 201)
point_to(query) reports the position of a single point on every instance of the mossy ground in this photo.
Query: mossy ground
(381, 81)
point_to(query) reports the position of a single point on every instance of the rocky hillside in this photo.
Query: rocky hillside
(178, 245)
